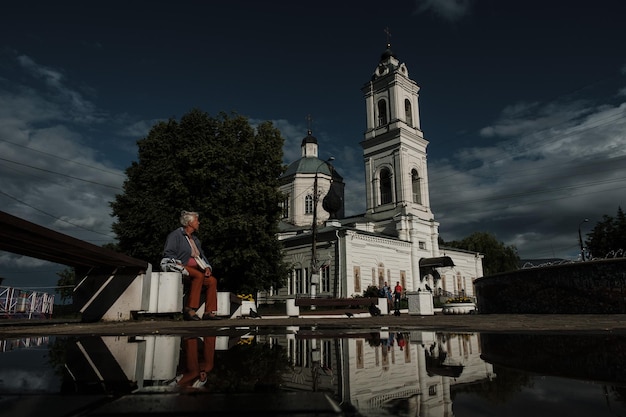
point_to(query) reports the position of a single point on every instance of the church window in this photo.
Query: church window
(408, 115)
(308, 204)
(416, 187)
(327, 350)
(382, 113)
(381, 275)
(299, 281)
(422, 244)
(325, 278)
(290, 283)
(300, 355)
(385, 186)
(285, 207)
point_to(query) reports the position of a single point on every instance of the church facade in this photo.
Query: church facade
(396, 239)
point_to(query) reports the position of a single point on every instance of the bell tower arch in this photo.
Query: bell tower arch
(394, 148)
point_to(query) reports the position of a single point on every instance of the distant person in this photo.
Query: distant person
(401, 341)
(390, 342)
(397, 292)
(388, 296)
(183, 247)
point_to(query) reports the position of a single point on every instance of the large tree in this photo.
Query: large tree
(66, 284)
(608, 236)
(498, 256)
(226, 170)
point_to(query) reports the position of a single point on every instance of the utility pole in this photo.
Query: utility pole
(580, 240)
(315, 277)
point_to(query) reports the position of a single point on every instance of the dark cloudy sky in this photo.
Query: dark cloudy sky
(523, 103)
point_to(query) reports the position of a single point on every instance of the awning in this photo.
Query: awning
(435, 367)
(440, 261)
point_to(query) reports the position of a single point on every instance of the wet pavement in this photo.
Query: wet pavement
(491, 323)
(103, 374)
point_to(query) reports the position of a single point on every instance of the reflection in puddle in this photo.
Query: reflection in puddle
(307, 371)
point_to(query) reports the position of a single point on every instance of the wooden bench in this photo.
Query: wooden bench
(336, 302)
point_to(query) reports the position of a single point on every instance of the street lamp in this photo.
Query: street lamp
(580, 240)
(314, 268)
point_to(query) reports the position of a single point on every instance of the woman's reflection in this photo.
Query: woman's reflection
(198, 355)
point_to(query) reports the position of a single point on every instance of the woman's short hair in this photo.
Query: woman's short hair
(187, 217)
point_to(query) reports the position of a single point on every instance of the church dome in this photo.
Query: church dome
(387, 54)
(309, 139)
(307, 165)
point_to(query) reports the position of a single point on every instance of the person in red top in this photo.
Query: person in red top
(397, 291)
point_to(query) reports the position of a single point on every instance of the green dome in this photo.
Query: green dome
(307, 165)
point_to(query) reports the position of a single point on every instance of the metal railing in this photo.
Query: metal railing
(17, 303)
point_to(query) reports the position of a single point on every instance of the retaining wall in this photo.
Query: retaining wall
(592, 287)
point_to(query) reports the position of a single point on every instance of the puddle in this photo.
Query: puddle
(302, 371)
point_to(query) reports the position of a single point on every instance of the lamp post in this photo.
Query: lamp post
(315, 363)
(580, 240)
(314, 268)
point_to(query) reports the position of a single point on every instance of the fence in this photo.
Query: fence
(17, 303)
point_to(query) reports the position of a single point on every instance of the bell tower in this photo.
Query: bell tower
(394, 147)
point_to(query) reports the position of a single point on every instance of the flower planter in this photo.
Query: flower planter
(458, 308)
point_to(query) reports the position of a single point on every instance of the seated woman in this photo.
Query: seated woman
(184, 247)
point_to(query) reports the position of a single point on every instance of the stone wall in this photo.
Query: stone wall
(597, 357)
(593, 287)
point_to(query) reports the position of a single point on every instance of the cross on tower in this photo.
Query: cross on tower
(388, 37)
(309, 121)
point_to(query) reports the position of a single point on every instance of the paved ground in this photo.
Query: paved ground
(571, 323)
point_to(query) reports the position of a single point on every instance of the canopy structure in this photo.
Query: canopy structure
(435, 366)
(437, 262)
(29, 239)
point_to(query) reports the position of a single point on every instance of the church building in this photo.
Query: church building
(396, 239)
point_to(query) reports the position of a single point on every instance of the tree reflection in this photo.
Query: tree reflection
(499, 390)
(248, 367)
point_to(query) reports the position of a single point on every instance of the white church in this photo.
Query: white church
(396, 239)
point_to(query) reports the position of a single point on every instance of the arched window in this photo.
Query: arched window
(408, 114)
(308, 204)
(385, 186)
(382, 113)
(416, 187)
(285, 207)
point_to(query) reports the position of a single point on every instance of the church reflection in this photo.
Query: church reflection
(410, 370)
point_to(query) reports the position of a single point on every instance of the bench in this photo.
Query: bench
(336, 302)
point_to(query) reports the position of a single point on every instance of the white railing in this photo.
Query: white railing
(16, 303)
(7, 345)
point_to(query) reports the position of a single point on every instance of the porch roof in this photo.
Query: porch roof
(439, 261)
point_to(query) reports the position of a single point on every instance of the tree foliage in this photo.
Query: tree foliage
(222, 168)
(66, 283)
(608, 236)
(498, 257)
